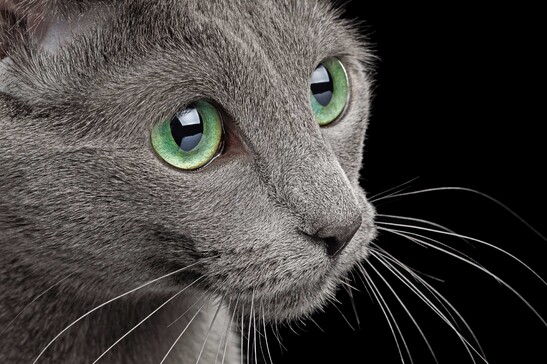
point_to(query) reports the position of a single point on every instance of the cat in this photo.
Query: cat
(175, 173)
(113, 247)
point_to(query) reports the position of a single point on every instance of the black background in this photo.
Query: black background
(459, 101)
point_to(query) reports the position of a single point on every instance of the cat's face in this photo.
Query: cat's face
(257, 222)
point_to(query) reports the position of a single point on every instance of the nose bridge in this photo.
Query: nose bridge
(317, 189)
(296, 162)
(307, 178)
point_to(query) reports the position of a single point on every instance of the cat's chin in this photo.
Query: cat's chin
(297, 300)
(288, 307)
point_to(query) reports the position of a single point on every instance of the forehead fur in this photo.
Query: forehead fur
(240, 39)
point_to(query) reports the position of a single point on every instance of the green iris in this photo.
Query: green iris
(329, 91)
(191, 138)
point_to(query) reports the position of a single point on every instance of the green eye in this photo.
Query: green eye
(329, 91)
(191, 138)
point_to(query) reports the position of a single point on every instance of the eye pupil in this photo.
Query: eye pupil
(321, 85)
(187, 129)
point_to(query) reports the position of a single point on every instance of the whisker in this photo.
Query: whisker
(224, 337)
(343, 316)
(396, 189)
(435, 309)
(242, 315)
(463, 189)
(430, 239)
(472, 239)
(389, 257)
(277, 336)
(249, 332)
(352, 300)
(347, 285)
(107, 303)
(183, 331)
(414, 271)
(254, 336)
(436, 294)
(146, 318)
(316, 324)
(409, 236)
(364, 285)
(228, 331)
(266, 335)
(430, 304)
(204, 295)
(260, 335)
(404, 307)
(382, 303)
(209, 329)
(34, 300)
(301, 325)
(290, 326)
(426, 222)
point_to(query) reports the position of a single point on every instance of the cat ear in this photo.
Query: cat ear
(41, 24)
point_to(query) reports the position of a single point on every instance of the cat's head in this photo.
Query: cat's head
(263, 198)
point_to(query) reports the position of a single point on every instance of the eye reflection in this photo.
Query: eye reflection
(187, 129)
(321, 85)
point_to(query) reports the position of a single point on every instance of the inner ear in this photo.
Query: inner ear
(42, 28)
(12, 26)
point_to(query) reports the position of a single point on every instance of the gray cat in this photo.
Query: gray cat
(174, 173)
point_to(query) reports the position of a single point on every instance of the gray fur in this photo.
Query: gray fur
(83, 194)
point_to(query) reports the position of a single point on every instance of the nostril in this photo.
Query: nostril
(334, 245)
(336, 238)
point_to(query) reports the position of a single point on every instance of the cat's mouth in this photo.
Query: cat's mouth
(284, 275)
(284, 280)
(298, 296)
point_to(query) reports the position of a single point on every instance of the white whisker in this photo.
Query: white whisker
(146, 318)
(34, 300)
(471, 239)
(379, 252)
(364, 285)
(382, 303)
(404, 307)
(448, 247)
(436, 294)
(352, 300)
(224, 337)
(260, 335)
(266, 335)
(249, 332)
(254, 336)
(209, 329)
(343, 316)
(107, 303)
(430, 304)
(242, 315)
(182, 333)
(426, 222)
(463, 189)
(228, 331)
(204, 295)
(409, 236)
(277, 336)
(394, 190)
(414, 271)
(316, 324)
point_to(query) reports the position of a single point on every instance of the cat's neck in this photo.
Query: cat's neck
(32, 329)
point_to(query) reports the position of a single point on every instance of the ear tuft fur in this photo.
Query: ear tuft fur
(42, 24)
